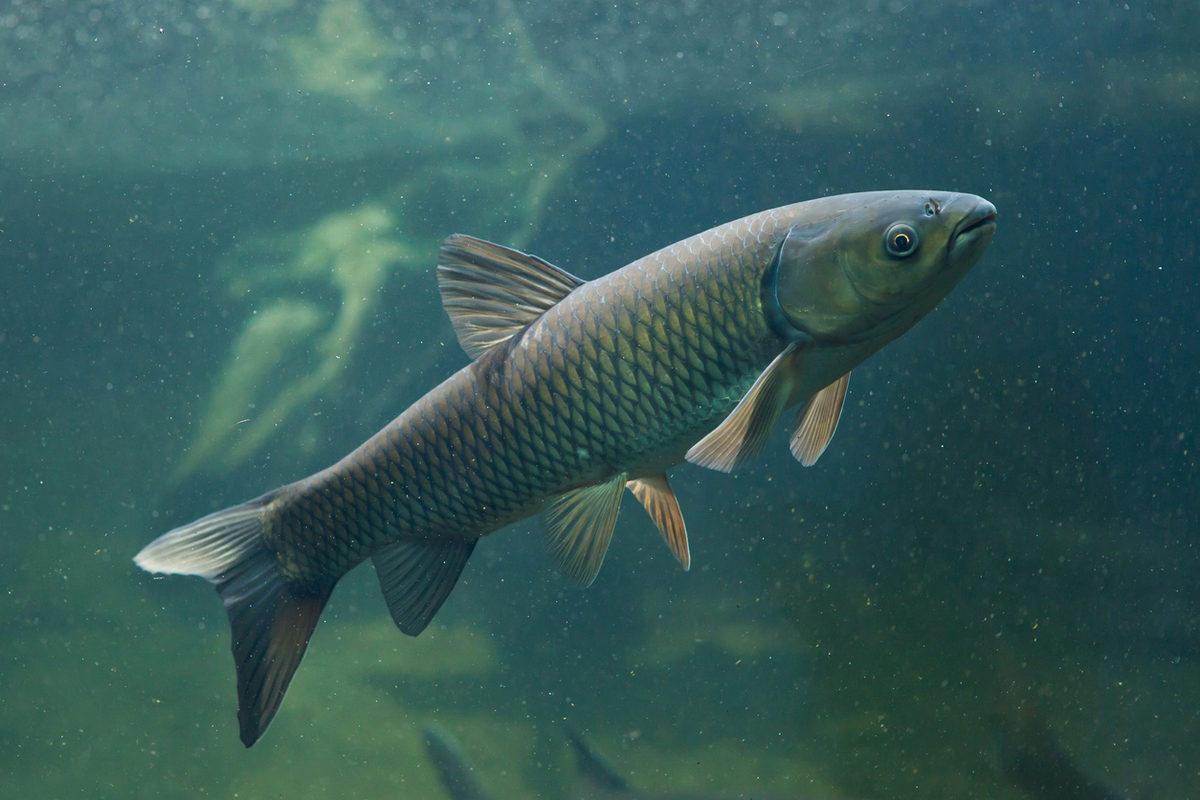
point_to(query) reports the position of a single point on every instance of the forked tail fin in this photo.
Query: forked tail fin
(271, 620)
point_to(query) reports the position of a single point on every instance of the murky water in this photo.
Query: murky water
(218, 228)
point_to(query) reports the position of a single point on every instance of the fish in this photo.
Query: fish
(594, 778)
(578, 390)
(1028, 752)
(456, 775)
(1034, 760)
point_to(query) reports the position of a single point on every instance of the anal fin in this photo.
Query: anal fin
(817, 421)
(416, 576)
(579, 526)
(655, 495)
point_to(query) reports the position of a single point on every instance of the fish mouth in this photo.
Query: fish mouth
(979, 221)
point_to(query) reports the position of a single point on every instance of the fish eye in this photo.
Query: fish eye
(900, 240)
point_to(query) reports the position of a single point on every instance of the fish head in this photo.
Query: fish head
(867, 266)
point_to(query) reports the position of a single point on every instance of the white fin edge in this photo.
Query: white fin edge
(208, 547)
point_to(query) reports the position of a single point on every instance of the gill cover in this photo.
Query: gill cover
(813, 295)
(860, 272)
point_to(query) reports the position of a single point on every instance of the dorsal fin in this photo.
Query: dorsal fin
(655, 495)
(745, 430)
(492, 292)
(579, 526)
(817, 421)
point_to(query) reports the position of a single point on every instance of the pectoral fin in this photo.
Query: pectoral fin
(743, 433)
(492, 292)
(579, 526)
(656, 497)
(817, 421)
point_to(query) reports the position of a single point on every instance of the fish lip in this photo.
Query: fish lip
(982, 216)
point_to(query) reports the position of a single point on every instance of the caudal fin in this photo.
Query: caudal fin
(271, 620)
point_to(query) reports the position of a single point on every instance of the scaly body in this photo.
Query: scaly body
(577, 391)
(622, 375)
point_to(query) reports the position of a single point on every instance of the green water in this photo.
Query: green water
(1006, 518)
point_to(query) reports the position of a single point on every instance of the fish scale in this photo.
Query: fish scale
(578, 390)
(454, 461)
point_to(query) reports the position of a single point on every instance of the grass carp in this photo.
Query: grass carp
(579, 390)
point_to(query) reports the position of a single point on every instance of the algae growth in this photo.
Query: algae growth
(344, 54)
(290, 351)
(353, 253)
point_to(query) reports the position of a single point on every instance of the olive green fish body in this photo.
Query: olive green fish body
(578, 391)
(622, 375)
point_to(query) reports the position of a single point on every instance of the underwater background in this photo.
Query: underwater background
(218, 227)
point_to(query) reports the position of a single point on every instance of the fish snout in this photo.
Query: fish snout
(976, 226)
